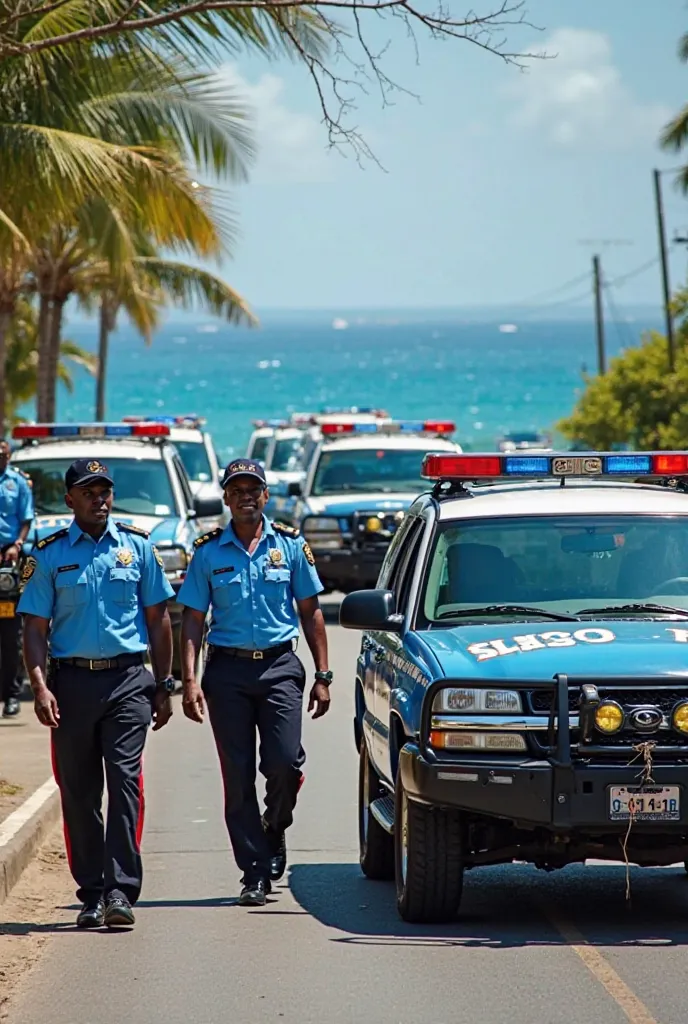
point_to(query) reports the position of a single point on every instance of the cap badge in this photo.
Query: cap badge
(95, 467)
(125, 556)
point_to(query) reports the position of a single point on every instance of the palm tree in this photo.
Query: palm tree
(675, 135)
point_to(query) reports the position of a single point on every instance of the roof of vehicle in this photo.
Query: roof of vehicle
(194, 434)
(406, 442)
(576, 498)
(102, 447)
(289, 434)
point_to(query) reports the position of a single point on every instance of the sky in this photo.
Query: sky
(494, 185)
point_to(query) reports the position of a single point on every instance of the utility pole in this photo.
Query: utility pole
(599, 315)
(661, 231)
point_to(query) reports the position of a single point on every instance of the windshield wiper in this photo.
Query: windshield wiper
(663, 609)
(507, 609)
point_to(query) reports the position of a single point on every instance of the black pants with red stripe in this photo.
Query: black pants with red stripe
(104, 719)
(244, 698)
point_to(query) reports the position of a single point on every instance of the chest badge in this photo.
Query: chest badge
(275, 556)
(125, 556)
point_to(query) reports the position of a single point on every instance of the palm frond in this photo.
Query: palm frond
(188, 286)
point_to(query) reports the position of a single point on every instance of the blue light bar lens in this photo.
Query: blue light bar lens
(523, 466)
(118, 430)
(365, 428)
(411, 427)
(623, 465)
(65, 430)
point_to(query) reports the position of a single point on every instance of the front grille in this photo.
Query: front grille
(389, 521)
(664, 698)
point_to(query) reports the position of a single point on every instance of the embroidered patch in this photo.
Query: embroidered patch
(275, 556)
(28, 569)
(227, 568)
(125, 556)
(158, 557)
(67, 568)
(95, 467)
(310, 557)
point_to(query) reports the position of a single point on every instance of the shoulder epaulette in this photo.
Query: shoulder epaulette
(21, 473)
(128, 528)
(205, 537)
(287, 531)
(51, 537)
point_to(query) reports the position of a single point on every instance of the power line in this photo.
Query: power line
(617, 282)
(534, 299)
(620, 325)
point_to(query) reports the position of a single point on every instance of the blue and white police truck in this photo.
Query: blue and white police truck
(522, 682)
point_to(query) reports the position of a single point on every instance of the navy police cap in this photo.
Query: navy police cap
(244, 467)
(85, 471)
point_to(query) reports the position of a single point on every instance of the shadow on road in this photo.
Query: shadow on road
(506, 907)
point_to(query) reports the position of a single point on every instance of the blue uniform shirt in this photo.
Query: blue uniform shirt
(16, 505)
(252, 596)
(94, 591)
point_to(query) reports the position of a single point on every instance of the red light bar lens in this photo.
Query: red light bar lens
(439, 426)
(150, 430)
(671, 465)
(337, 428)
(27, 430)
(461, 467)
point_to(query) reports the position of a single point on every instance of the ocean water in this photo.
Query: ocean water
(485, 379)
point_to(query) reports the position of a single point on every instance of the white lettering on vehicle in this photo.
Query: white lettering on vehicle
(540, 641)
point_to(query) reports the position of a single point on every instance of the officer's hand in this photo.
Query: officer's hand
(193, 704)
(11, 554)
(319, 699)
(162, 710)
(45, 706)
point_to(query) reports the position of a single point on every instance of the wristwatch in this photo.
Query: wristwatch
(168, 685)
(324, 677)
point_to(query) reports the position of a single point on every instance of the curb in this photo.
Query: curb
(17, 852)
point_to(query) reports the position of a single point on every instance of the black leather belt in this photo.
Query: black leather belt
(242, 652)
(100, 664)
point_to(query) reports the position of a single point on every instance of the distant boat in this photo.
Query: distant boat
(508, 328)
(340, 325)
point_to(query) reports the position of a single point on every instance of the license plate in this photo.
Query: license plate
(652, 803)
(6, 609)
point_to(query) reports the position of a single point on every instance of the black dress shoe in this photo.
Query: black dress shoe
(91, 914)
(118, 913)
(278, 863)
(254, 893)
(12, 707)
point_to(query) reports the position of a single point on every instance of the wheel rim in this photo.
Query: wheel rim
(365, 801)
(403, 837)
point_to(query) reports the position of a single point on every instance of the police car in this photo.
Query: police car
(152, 490)
(361, 480)
(522, 684)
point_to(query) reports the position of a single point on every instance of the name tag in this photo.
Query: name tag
(67, 568)
(227, 568)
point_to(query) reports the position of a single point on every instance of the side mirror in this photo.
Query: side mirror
(370, 609)
(294, 489)
(207, 508)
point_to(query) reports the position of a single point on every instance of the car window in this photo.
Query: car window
(142, 486)
(389, 572)
(195, 459)
(286, 455)
(407, 564)
(180, 470)
(369, 470)
(258, 449)
(562, 564)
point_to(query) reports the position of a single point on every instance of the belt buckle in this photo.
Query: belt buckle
(257, 655)
(98, 664)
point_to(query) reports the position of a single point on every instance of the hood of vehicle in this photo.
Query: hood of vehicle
(341, 505)
(539, 650)
(162, 531)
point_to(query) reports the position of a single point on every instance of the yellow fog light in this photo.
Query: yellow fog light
(679, 719)
(609, 717)
(373, 524)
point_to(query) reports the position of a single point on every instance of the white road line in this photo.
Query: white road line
(17, 819)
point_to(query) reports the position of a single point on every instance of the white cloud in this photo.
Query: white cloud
(579, 96)
(292, 147)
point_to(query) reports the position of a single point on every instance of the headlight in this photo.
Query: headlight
(8, 579)
(679, 718)
(174, 559)
(464, 699)
(504, 741)
(323, 532)
(609, 717)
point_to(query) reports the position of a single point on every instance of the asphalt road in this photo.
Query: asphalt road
(329, 947)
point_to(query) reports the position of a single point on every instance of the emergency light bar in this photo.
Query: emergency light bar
(557, 465)
(391, 427)
(29, 431)
(274, 424)
(192, 420)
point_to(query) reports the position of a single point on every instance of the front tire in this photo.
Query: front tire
(428, 860)
(375, 845)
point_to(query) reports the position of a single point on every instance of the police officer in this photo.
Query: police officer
(102, 585)
(16, 514)
(251, 573)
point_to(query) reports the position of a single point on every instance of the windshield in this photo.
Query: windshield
(369, 470)
(195, 459)
(259, 448)
(560, 564)
(142, 486)
(286, 455)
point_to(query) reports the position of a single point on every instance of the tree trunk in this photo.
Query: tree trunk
(5, 319)
(106, 325)
(54, 357)
(43, 381)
